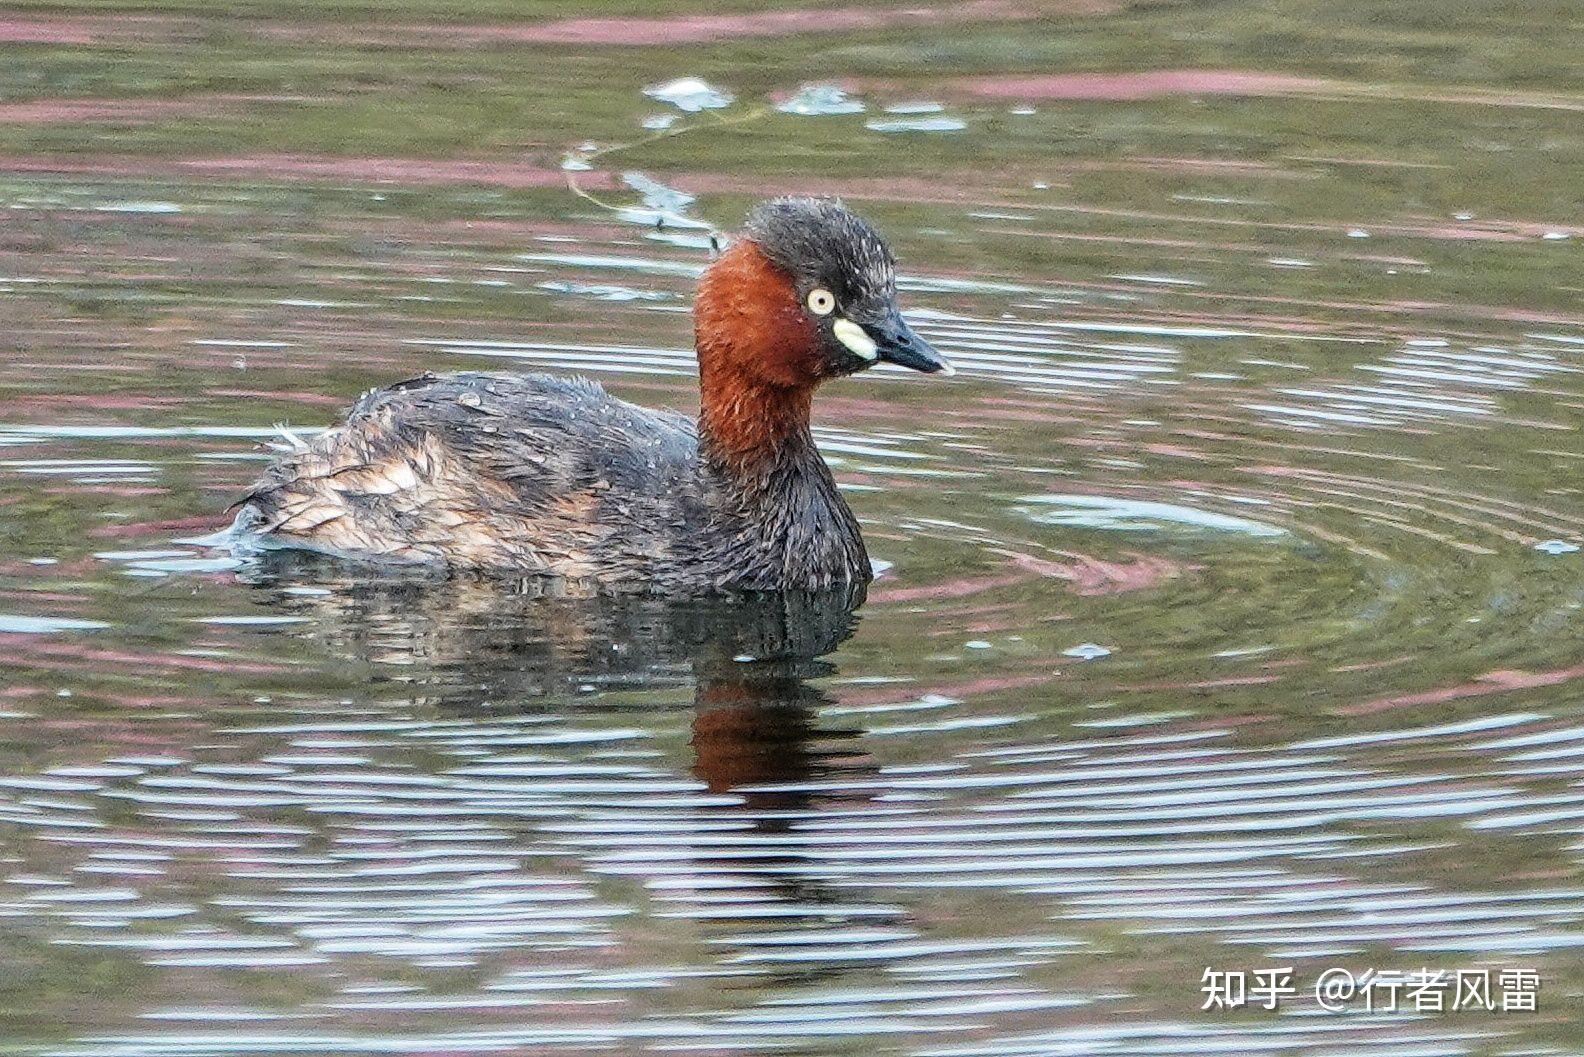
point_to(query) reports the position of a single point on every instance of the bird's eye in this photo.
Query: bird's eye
(821, 301)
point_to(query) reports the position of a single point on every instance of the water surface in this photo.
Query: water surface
(1230, 612)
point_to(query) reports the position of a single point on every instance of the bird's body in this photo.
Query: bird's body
(529, 474)
(535, 474)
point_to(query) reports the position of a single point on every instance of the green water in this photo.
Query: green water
(1231, 599)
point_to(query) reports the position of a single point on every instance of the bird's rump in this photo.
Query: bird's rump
(488, 469)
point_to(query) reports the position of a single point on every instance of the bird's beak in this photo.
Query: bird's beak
(896, 342)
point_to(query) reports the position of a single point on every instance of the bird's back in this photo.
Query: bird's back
(491, 470)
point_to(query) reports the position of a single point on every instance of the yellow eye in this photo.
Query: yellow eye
(821, 302)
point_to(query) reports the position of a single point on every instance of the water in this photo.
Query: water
(1231, 598)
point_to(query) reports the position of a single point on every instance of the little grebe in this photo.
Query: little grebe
(537, 475)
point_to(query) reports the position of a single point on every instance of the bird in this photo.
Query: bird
(536, 475)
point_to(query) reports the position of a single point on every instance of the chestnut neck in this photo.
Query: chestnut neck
(745, 429)
(784, 523)
(758, 366)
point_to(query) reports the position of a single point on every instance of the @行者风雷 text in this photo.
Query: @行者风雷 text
(1422, 990)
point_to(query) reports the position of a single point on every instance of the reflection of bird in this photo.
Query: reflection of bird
(755, 726)
(543, 475)
(469, 639)
(463, 644)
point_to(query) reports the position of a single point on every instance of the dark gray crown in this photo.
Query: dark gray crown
(819, 242)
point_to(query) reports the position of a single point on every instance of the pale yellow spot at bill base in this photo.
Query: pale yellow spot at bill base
(852, 335)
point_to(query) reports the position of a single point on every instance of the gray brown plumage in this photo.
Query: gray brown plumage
(531, 474)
